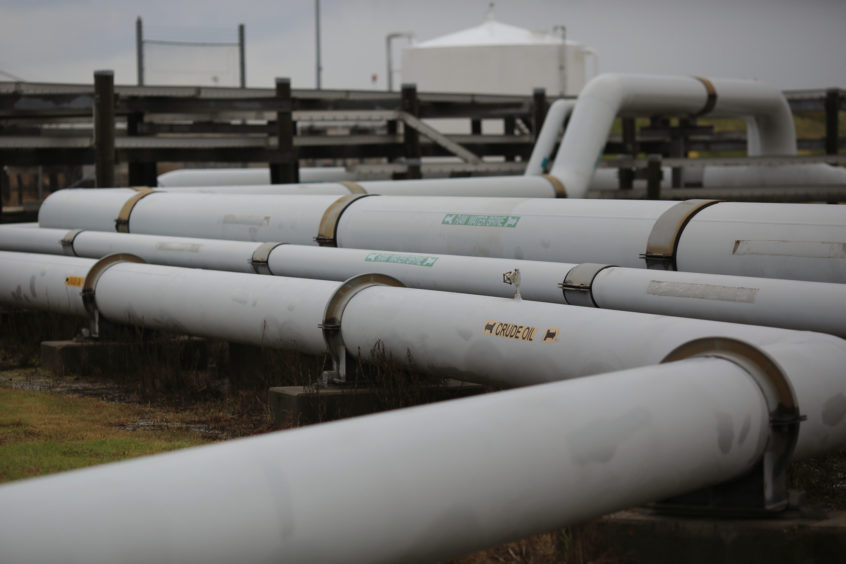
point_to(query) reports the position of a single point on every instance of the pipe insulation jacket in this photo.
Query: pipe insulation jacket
(476, 338)
(789, 304)
(535, 186)
(418, 485)
(793, 241)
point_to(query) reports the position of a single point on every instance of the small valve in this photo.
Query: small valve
(512, 277)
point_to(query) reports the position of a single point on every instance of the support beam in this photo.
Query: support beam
(284, 169)
(104, 127)
(411, 105)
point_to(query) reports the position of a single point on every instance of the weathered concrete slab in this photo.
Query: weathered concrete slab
(292, 406)
(120, 357)
(641, 536)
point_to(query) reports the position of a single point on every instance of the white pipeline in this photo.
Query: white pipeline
(792, 241)
(609, 95)
(557, 114)
(812, 306)
(476, 338)
(417, 485)
(246, 176)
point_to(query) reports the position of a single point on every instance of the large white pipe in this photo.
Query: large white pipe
(415, 485)
(535, 186)
(609, 95)
(557, 114)
(44, 282)
(246, 176)
(789, 304)
(793, 241)
(476, 338)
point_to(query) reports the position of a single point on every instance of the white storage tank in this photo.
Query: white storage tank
(497, 58)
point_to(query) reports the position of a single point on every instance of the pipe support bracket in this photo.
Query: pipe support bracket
(784, 416)
(327, 232)
(557, 185)
(261, 256)
(664, 238)
(122, 220)
(710, 101)
(354, 187)
(333, 314)
(67, 242)
(89, 287)
(578, 283)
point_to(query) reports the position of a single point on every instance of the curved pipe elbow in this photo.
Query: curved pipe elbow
(547, 136)
(608, 95)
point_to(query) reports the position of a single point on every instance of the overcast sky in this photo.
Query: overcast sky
(788, 43)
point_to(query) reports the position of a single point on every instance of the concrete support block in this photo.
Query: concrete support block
(121, 357)
(644, 537)
(292, 406)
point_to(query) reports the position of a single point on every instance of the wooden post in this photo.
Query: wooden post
(630, 137)
(539, 109)
(625, 175)
(140, 173)
(104, 127)
(509, 127)
(832, 110)
(653, 177)
(678, 148)
(285, 167)
(411, 105)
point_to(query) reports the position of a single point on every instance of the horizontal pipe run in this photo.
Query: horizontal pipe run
(423, 484)
(51, 283)
(789, 304)
(800, 241)
(534, 186)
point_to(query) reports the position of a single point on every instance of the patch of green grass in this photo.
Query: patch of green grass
(43, 432)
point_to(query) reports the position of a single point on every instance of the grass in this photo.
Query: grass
(44, 432)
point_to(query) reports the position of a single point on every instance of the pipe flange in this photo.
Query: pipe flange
(327, 232)
(666, 232)
(577, 286)
(89, 286)
(557, 185)
(331, 325)
(354, 187)
(67, 242)
(261, 256)
(122, 220)
(783, 407)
